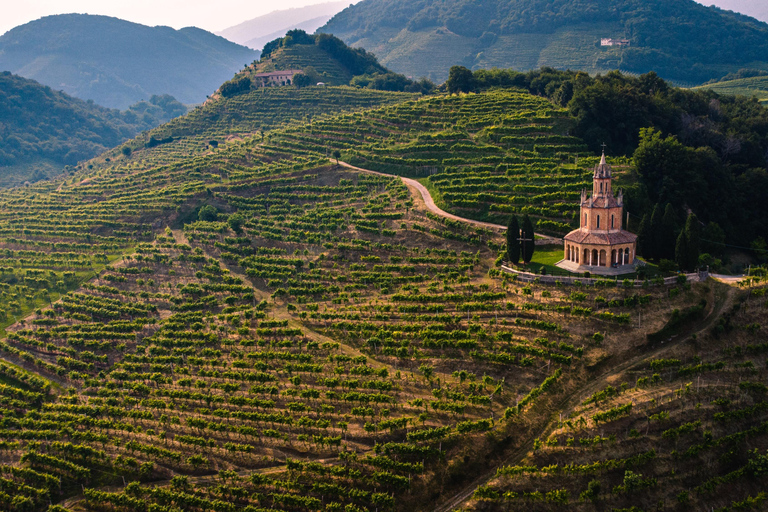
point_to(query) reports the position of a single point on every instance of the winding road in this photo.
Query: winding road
(432, 207)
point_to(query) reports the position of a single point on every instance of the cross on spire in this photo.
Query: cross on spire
(604, 146)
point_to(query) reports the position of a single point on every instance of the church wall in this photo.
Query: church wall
(605, 218)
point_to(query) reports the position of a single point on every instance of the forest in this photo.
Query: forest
(43, 125)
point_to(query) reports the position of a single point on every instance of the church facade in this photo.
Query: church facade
(600, 245)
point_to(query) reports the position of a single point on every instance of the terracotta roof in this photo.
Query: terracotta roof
(278, 73)
(582, 236)
(603, 202)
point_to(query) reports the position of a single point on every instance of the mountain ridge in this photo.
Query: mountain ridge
(116, 63)
(682, 40)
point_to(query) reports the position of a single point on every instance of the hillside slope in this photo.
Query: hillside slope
(322, 58)
(257, 32)
(43, 130)
(117, 63)
(255, 329)
(680, 39)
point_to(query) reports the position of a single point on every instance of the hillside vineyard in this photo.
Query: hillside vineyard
(225, 319)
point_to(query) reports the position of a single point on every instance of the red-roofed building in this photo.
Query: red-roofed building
(275, 78)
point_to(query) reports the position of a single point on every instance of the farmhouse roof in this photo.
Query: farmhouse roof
(279, 73)
(582, 236)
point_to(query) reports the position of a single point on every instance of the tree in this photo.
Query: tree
(667, 233)
(713, 239)
(528, 239)
(236, 222)
(681, 251)
(302, 80)
(336, 155)
(513, 240)
(208, 213)
(693, 240)
(644, 236)
(460, 79)
(688, 244)
(654, 249)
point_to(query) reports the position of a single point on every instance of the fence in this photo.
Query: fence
(528, 277)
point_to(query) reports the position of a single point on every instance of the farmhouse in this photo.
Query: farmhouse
(275, 78)
(600, 245)
(607, 41)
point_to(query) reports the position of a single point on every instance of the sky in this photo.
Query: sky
(212, 15)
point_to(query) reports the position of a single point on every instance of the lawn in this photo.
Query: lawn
(547, 256)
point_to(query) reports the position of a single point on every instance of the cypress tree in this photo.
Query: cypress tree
(681, 251)
(513, 240)
(692, 241)
(654, 239)
(529, 245)
(668, 230)
(643, 235)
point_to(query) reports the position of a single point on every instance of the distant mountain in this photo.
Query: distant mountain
(43, 130)
(257, 32)
(680, 39)
(755, 8)
(117, 63)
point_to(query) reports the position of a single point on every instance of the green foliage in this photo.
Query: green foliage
(426, 39)
(47, 127)
(528, 242)
(513, 242)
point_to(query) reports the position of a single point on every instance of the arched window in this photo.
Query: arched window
(598, 222)
(612, 221)
(601, 188)
(585, 220)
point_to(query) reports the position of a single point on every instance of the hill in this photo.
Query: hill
(257, 32)
(253, 328)
(117, 63)
(323, 58)
(751, 85)
(680, 39)
(44, 130)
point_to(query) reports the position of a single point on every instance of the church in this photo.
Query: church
(600, 245)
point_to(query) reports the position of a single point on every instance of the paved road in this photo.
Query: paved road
(432, 207)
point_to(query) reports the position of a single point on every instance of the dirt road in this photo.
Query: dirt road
(432, 207)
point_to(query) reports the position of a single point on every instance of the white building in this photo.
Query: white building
(607, 41)
(275, 78)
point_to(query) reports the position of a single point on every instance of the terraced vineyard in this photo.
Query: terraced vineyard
(683, 431)
(221, 120)
(254, 328)
(485, 156)
(756, 87)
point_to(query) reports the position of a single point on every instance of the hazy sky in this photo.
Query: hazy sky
(213, 15)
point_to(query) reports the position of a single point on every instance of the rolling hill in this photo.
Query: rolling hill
(257, 32)
(323, 58)
(250, 327)
(44, 130)
(751, 86)
(116, 63)
(680, 39)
